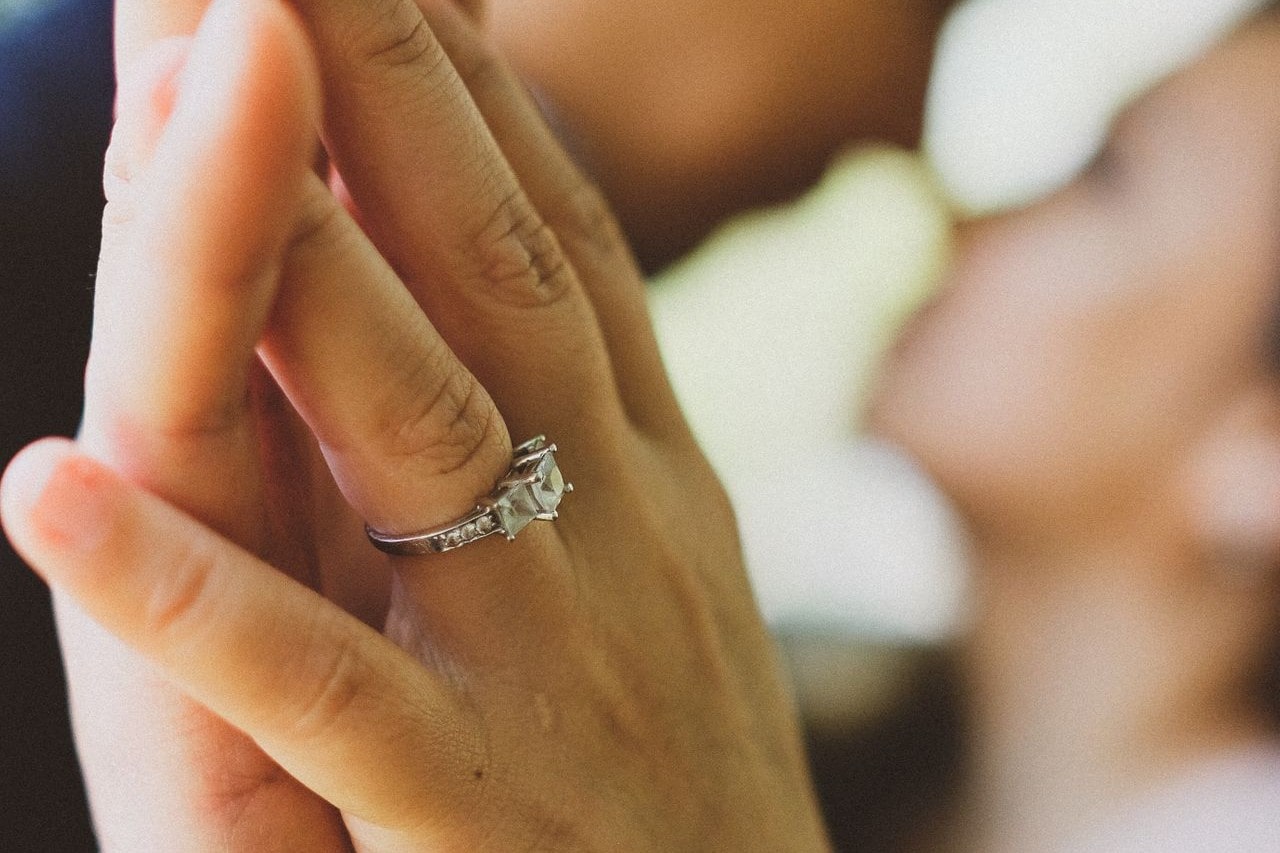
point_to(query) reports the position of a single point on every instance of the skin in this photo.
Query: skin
(686, 112)
(247, 673)
(250, 713)
(1096, 392)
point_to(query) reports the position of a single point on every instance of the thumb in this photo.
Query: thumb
(340, 707)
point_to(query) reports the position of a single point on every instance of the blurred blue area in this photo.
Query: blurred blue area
(12, 10)
(56, 90)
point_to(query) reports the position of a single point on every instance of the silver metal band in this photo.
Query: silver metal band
(531, 490)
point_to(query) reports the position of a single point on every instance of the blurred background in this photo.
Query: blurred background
(55, 109)
(789, 175)
(10, 9)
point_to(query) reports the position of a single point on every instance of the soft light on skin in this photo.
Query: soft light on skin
(1090, 385)
(1083, 344)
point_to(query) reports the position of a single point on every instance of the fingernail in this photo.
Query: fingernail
(57, 495)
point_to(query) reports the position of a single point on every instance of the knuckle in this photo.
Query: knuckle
(400, 38)
(336, 680)
(451, 429)
(118, 216)
(318, 223)
(173, 610)
(140, 425)
(520, 257)
(234, 794)
(119, 188)
(586, 221)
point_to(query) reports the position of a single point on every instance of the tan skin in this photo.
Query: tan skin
(1094, 391)
(686, 111)
(617, 692)
(247, 672)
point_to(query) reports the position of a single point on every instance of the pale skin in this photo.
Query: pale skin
(247, 673)
(1095, 391)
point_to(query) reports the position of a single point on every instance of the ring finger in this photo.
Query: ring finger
(411, 436)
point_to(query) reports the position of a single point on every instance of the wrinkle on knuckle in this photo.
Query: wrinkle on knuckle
(181, 428)
(449, 428)
(238, 798)
(208, 424)
(519, 255)
(119, 189)
(119, 185)
(338, 680)
(318, 223)
(406, 44)
(173, 609)
(118, 216)
(148, 437)
(585, 218)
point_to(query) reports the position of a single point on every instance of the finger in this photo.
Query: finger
(342, 709)
(443, 204)
(190, 241)
(140, 24)
(576, 212)
(412, 439)
(162, 773)
(397, 415)
(145, 98)
(207, 783)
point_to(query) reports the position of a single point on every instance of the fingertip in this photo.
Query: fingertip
(52, 497)
(245, 120)
(255, 48)
(26, 476)
(285, 24)
(294, 65)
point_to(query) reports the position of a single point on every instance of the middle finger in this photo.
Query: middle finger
(444, 205)
(412, 438)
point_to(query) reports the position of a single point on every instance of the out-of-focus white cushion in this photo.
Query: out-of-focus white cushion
(771, 332)
(1024, 91)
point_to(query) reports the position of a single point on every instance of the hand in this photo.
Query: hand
(600, 682)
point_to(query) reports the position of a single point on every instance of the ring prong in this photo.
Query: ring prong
(533, 469)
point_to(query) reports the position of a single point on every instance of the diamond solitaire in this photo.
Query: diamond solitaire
(531, 490)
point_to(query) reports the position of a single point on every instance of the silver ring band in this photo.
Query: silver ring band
(531, 490)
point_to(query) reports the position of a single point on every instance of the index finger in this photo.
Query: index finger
(345, 711)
